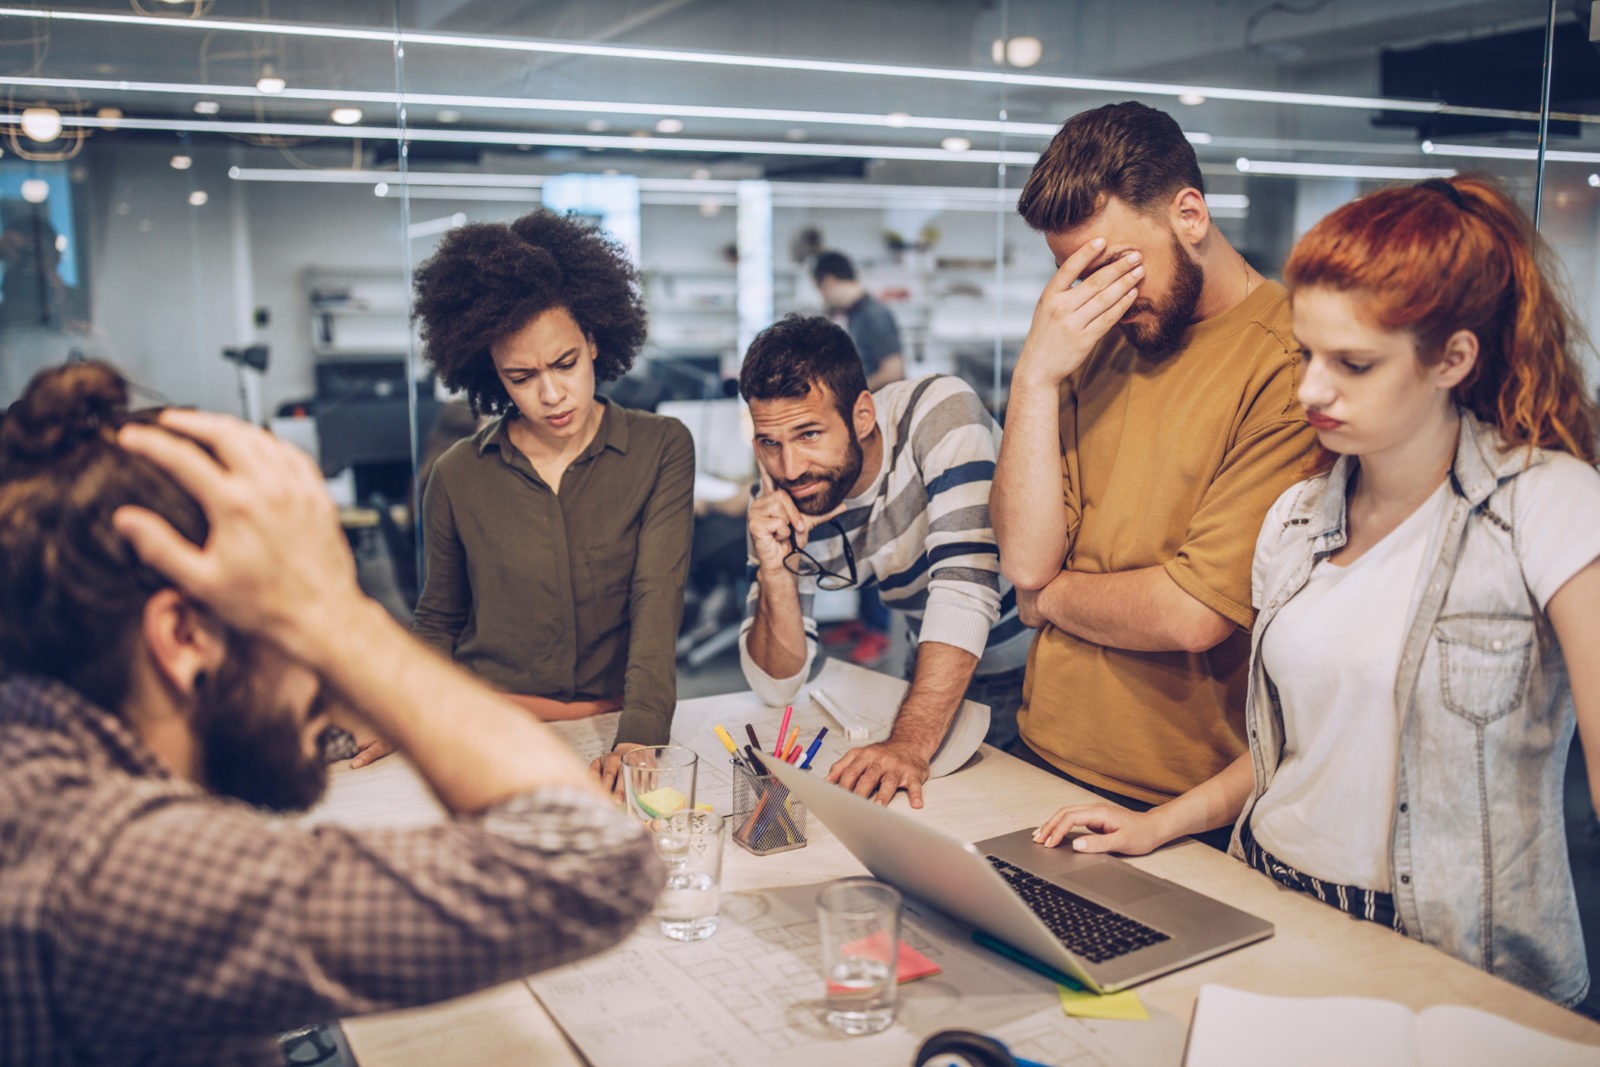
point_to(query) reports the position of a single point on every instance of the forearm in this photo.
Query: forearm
(550, 710)
(890, 369)
(1215, 802)
(1025, 506)
(1141, 610)
(649, 694)
(485, 751)
(942, 676)
(777, 637)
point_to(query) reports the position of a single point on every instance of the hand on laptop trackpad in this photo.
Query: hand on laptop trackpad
(1113, 881)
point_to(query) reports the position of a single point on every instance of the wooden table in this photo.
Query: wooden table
(1316, 950)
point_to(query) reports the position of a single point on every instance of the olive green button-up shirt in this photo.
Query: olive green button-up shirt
(575, 595)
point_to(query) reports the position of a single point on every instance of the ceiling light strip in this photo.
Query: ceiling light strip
(511, 103)
(553, 140)
(1276, 169)
(1470, 151)
(1006, 78)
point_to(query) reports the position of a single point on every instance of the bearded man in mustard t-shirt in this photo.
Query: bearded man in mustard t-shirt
(1138, 462)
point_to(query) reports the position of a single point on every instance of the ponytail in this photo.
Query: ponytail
(1443, 256)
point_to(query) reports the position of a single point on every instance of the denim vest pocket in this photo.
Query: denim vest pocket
(1483, 664)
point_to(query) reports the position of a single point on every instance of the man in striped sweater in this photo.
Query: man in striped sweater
(891, 487)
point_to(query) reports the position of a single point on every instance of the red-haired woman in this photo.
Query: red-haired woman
(1428, 605)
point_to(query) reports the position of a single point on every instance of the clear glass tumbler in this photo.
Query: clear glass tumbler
(860, 922)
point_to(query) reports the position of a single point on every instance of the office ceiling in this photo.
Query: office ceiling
(158, 59)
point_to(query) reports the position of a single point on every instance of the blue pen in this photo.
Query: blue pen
(811, 749)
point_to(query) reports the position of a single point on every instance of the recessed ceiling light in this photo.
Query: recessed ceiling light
(1192, 99)
(35, 190)
(198, 198)
(597, 125)
(109, 116)
(794, 133)
(181, 162)
(611, 172)
(1024, 51)
(710, 207)
(955, 144)
(997, 50)
(1594, 181)
(448, 116)
(206, 107)
(345, 116)
(41, 123)
(897, 119)
(669, 126)
(270, 82)
(701, 174)
(381, 189)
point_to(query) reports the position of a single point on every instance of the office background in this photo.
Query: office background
(227, 197)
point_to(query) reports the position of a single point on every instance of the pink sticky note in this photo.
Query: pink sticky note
(909, 964)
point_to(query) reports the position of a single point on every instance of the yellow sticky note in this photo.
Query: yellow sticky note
(663, 801)
(1087, 1005)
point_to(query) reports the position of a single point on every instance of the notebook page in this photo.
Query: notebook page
(1233, 1028)
(1454, 1036)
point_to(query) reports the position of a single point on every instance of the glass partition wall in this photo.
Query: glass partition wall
(227, 197)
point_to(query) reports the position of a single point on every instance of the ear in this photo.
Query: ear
(865, 414)
(182, 640)
(1190, 216)
(1459, 358)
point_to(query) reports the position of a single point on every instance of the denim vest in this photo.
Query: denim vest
(1478, 851)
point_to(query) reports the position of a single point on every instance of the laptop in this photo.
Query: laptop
(1094, 917)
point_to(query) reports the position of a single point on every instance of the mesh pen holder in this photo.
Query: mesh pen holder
(767, 818)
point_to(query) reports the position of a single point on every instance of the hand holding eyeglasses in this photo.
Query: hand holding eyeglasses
(779, 530)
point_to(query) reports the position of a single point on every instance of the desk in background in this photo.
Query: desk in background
(1316, 951)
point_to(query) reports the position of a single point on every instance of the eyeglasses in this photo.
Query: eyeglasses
(802, 564)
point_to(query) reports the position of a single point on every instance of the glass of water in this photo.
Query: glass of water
(860, 922)
(659, 780)
(690, 844)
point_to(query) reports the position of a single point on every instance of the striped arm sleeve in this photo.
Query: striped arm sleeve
(954, 442)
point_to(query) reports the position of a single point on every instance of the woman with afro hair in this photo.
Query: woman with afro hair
(557, 536)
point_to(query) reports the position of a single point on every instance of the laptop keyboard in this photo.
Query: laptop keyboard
(1091, 931)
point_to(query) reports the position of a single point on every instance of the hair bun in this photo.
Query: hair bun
(61, 409)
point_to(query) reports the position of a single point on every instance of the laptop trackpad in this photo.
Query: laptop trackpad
(1114, 882)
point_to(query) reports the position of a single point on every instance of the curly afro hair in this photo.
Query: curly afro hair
(489, 280)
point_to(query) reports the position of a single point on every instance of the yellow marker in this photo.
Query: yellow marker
(727, 741)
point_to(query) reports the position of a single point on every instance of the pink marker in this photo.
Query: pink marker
(783, 731)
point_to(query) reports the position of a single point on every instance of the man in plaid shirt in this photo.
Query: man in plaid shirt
(179, 618)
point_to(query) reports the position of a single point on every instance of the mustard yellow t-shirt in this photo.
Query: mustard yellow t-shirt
(1168, 462)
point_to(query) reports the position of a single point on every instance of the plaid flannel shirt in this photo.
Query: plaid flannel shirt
(143, 920)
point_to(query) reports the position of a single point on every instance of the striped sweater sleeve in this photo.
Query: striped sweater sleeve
(954, 443)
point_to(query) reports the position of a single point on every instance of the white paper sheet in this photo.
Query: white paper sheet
(751, 996)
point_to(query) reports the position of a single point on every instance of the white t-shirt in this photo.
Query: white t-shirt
(1333, 652)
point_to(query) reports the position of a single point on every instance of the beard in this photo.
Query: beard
(837, 480)
(1175, 316)
(251, 750)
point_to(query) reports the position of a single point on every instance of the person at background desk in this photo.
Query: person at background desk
(557, 537)
(180, 623)
(1429, 605)
(892, 485)
(877, 338)
(1139, 461)
(871, 325)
